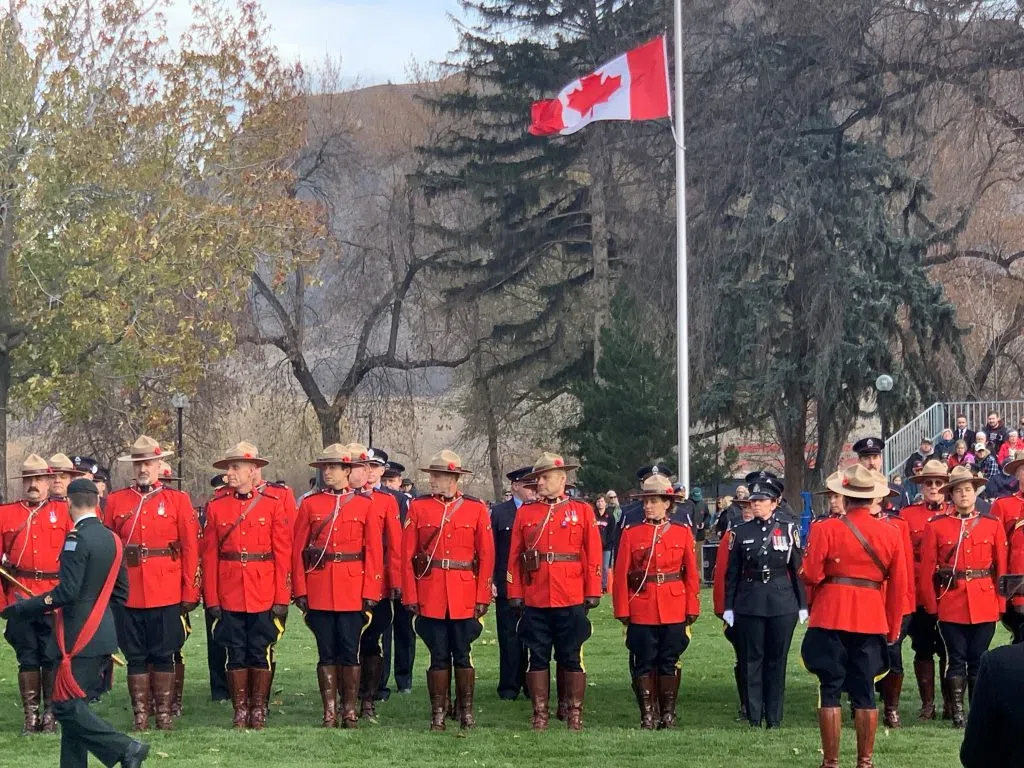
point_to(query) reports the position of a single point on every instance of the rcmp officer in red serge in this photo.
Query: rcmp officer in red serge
(160, 534)
(376, 643)
(336, 578)
(554, 575)
(923, 629)
(448, 564)
(764, 597)
(856, 567)
(247, 582)
(656, 594)
(512, 656)
(92, 577)
(962, 557)
(32, 533)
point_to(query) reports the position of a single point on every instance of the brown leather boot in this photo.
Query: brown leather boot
(29, 688)
(139, 691)
(668, 693)
(238, 686)
(465, 682)
(350, 677)
(866, 723)
(539, 683)
(956, 695)
(179, 689)
(49, 724)
(438, 682)
(830, 725)
(924, 671)
(892, 686)
(259, 697)
(162, 684)
(576, 687)
(645, 693)
(563, 697)
(370, 682)
(327, 679)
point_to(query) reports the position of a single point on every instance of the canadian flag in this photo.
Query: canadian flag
(633, 86)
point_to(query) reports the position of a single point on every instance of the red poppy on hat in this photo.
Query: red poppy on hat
(247, 455)
(451, 465)
(157, 450)
(846, 482)
(559, 462)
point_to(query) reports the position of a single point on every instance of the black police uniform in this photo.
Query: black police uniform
(764, 591)
(85, 564)
(403, 646)
(992, 737)
(216, 654)
(512, 654)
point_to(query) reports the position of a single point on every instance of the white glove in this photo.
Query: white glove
(803, 615)
(729, 618)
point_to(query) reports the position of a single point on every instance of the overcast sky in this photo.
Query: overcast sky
(376, 39)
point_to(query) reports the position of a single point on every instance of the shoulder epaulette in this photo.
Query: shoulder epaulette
(467, 497)
(939, 516)
(270, 494)
(988, 516)
(1019, 524)
(277, 484)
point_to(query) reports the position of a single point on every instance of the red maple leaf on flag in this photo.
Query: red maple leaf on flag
(594, 89)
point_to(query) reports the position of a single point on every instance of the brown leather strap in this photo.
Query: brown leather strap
(850, 581)
(246, 557)
(143, 551)
(866, 544)
(238, 521)
(26, 573)
(342, 557)
(559, 557)
(339, 504)
(661, 578)
(453, 565)
(975, 573)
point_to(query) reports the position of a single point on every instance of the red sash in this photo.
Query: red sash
(65, 687)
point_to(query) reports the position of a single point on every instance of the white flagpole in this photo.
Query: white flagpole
(682, 340)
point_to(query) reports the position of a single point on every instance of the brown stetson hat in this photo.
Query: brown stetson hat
(60, 462)
(857, 482)
(244, 451)
(1013, 465)
(657, 486)
(961, 475)
(446, 461)
(347, 455)
(34, 466)
(144, 449)
(548, 462)
(932, 470)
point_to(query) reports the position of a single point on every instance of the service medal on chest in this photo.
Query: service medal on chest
(161, 511)
(53, 517)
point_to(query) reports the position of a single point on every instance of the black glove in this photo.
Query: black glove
(279, 611)
(9, 612)
(516, 603)
(1018, 609)
(690, 619)
(396, 594)
(480, 610)
(591, 602)
(302, 604)
(187, 608)
(414, 609)
(214, 611)
(369, 605)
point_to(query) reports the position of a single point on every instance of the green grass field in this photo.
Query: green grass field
(708, 735)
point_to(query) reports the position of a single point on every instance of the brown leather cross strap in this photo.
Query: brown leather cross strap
(245, 557)
(339, 504)
(28, 573)
(866, 544)
(850, 581)
(257, 495)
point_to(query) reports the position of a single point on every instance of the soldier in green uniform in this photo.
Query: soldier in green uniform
(92, 575)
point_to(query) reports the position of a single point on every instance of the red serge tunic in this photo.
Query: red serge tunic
(565, 535)
(158, 521)
(917, 517)
(347, 567)
(386, 508)
(1009, 510)
(31, 540)
(834, 555)
(975, 546)
(660, 601)
(247, 567)
(456, 537)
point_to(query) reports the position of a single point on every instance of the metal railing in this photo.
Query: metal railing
(902, 444)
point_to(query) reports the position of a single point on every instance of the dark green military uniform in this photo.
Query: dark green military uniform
(85, 564)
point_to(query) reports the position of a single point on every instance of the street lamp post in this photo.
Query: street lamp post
(883, 384)
(179, 402)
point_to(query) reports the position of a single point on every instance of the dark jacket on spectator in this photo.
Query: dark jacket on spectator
(908, 468)
(996, 718)
(999, 486)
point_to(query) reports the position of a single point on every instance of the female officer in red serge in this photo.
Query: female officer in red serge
(336, 566)
(656, 594)
(963, 554)
(856, 568)
(447, 574)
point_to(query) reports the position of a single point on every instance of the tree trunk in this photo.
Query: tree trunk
(330, 423)
(5, 384)
(791, 427)
(493, 457)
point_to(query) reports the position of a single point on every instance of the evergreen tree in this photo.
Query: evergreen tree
(627, 414)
